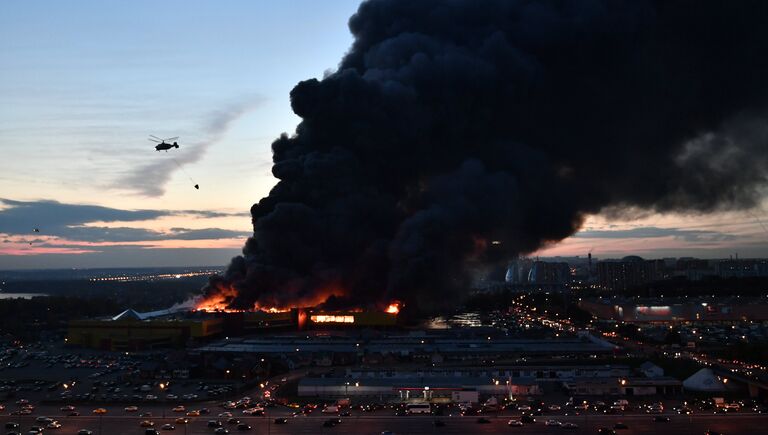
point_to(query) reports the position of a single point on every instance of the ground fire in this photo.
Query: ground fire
(221, 301)
(393, 308)
(317, 307)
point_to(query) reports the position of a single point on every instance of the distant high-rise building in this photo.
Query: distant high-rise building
(518, 271)
(693, 269)
(549, 273)
(742, 268)
(629, 272)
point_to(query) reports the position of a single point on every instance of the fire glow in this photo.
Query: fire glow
(329, 318)
(221, 300)
(393, 308)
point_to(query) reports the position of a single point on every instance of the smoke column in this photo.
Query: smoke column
(451, 124)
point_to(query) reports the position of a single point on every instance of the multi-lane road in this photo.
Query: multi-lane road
(366, 424)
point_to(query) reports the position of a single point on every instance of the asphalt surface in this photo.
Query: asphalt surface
(364, 425)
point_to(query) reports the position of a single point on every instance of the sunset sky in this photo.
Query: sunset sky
(83, 84)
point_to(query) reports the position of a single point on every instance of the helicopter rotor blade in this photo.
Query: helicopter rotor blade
(153, 140)
(171, 138)
(154, 137)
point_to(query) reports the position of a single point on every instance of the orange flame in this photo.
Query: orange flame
(219, 301)
(258, 307)
(393, 308)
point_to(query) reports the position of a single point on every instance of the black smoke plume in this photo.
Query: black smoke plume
(454, 123)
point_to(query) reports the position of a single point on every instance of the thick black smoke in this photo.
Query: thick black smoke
(454, 123)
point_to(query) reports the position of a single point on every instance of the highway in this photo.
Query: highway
(363, 425)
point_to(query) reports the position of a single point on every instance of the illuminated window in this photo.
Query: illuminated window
(323, 318)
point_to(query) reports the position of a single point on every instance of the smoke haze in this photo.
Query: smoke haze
(451, 124)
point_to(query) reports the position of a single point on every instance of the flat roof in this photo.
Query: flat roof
(414, 345)
(411, 383)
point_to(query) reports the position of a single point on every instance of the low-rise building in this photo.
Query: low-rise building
(132, 331)
(623, 386)
(410, 388)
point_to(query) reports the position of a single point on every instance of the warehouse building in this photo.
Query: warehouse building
(133, 331)
(414, 388)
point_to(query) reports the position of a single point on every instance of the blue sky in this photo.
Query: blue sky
(83, 83)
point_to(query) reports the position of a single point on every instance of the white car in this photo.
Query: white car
(514, 423)
(53, 425)
(131, 408)
(255, 410)
(523, 408)
(330, 409)
(554, 408)
(552, 423)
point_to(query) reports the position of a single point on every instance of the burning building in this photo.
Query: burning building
(238, 321)
(454, 136)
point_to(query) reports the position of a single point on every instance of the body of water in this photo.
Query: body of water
(20, 295)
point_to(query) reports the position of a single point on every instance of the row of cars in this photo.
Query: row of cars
(114, 391)
(220, 429)
(41, 423)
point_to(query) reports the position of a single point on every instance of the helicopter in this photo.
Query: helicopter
(162, 144)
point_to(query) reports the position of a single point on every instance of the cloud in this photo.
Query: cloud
(21, 217)
(150, 179)
(212, 214)
(125, 256)
(75, 222)
(129, 234)
(656, 232)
